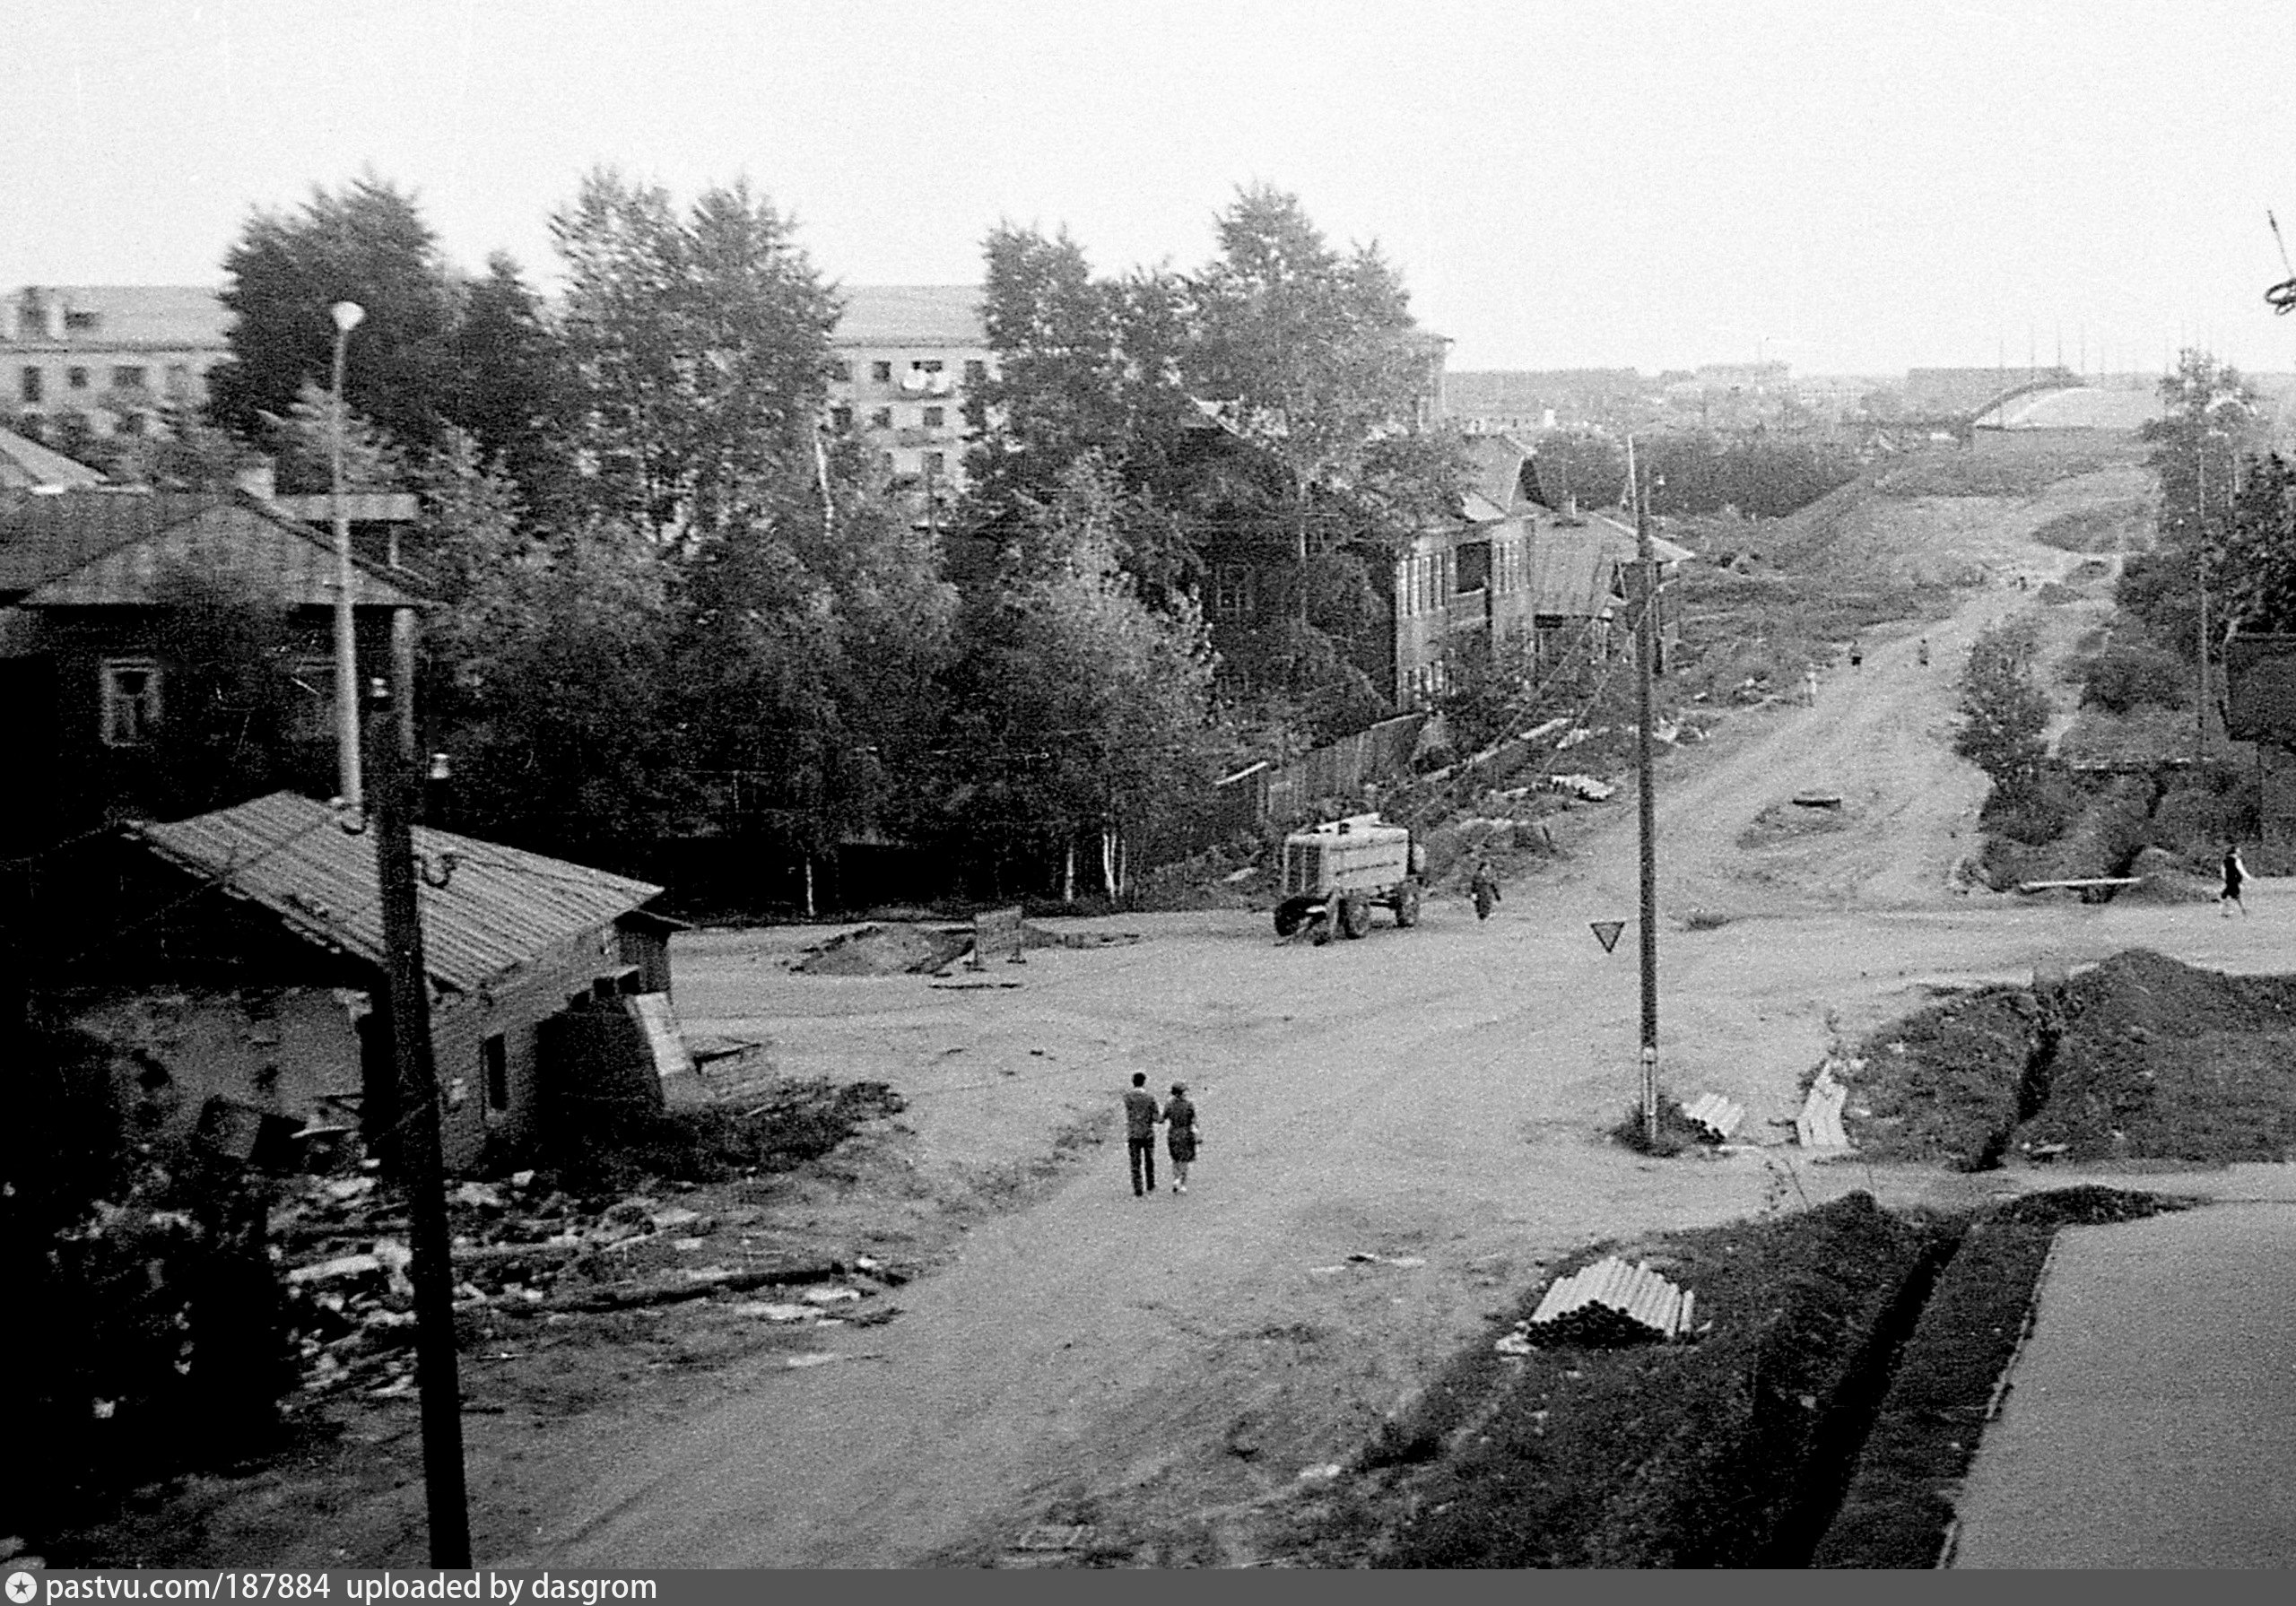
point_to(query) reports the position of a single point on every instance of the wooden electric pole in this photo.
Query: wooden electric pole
(1646, 812)
(393, 789)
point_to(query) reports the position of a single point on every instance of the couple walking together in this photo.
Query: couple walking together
(1140, 1117)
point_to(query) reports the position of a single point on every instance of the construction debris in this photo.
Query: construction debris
(1819, 1125)
(1612, 1303)
(1718, 1115)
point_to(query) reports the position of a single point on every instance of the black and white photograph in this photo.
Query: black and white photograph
(1285, 785)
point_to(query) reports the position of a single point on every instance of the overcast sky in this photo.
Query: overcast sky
(1848, 187)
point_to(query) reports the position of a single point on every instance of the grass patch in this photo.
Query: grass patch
(1719, 1452)
(1985, 473)
(2112, 527)
(795, 1120)
(1676, 1130)
(1898, 1506)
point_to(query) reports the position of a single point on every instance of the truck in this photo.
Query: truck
(1334, 875)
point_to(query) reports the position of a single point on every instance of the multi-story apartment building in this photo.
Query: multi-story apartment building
(108, 356)
(910, 352)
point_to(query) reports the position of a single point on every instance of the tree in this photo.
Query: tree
(508, 388)
(2256, 562)
(2004, 710)
(1076, 712)
(2211, 420)
(366, 243)
(698, 347)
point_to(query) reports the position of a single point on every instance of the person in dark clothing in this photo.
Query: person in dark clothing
(1140, 1117)
(1180, 1134)
(2236, 875)
(1484, 886)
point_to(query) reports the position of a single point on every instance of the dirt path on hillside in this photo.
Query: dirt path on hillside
(1151, 1378)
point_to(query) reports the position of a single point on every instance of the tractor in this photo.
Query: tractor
(1334, 874)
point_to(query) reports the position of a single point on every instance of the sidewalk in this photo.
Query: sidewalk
(2151, 1421)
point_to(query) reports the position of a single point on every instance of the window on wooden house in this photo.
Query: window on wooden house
(881, 372)
(934, 417)
(131, 701)
(128, 376)
(28, 385)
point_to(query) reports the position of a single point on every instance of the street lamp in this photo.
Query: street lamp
(347, 315)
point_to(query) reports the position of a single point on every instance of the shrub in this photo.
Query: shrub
(2122, 676)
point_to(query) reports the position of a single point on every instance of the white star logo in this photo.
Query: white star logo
(21, 1587)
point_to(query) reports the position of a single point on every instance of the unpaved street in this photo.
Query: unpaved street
(1164, 1369)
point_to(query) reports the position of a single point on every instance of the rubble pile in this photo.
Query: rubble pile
(524, 1250)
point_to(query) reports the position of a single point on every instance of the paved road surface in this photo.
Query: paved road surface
(2151, 1417)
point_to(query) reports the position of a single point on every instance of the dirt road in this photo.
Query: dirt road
(1160, 1372)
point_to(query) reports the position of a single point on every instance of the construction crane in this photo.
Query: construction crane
(2281, 297)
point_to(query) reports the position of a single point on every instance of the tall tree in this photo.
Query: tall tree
(699, 349)
(2211, 420)
(366, 243)
(1078, 715)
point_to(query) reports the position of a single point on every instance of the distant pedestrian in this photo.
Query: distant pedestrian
(1484, 886)
(2236, 875)
(1856, 655)
(1810, 685)
(1140, 1117)
(1180, 1134)
(1922, 652)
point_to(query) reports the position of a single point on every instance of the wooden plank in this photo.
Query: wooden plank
(2081, 884)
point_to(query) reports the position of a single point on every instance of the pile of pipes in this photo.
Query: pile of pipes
(1720, 1116)
(1612, 1303)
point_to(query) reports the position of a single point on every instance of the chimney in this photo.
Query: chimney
(259, 478)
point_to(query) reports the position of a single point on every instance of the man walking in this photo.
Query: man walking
(1140, 1117)
(2236, 875)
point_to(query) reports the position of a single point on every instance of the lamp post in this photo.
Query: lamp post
(347, 315)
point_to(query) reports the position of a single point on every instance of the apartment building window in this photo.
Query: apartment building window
(976, 372)
(926, 365)
(494, 1071)
(28, 385)
(882, 418)
(128, 376)
(936, 462)
(881, 372)
(178, 378)
(853, 372)
(75, 379)
(934, 416)
(840, 417)
(131, 701)
(81, 323)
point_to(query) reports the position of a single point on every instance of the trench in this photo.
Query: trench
(1823, 1481)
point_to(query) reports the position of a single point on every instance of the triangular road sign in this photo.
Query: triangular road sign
(1607, 932)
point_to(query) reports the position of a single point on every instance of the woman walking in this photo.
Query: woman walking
(2236, 874)
(1180, 1134)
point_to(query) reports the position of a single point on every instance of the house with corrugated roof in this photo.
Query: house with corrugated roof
(104, 688)
(239, 954)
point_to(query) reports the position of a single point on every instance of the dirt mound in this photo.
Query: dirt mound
(885, 951)
(2140, 1058)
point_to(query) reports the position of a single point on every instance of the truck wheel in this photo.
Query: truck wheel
(1354, 916)
(1319, 933)
(1407, 906)
(1290, 914)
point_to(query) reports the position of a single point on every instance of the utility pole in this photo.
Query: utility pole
(2200, 563)
(1646, 813)
(421, 1167)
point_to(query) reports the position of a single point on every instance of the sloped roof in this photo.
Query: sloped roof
(1496, 489)
(155, 315)
(500, 907)
(27, 466)
(911, 314)
(105, 549)
(1572, 573)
